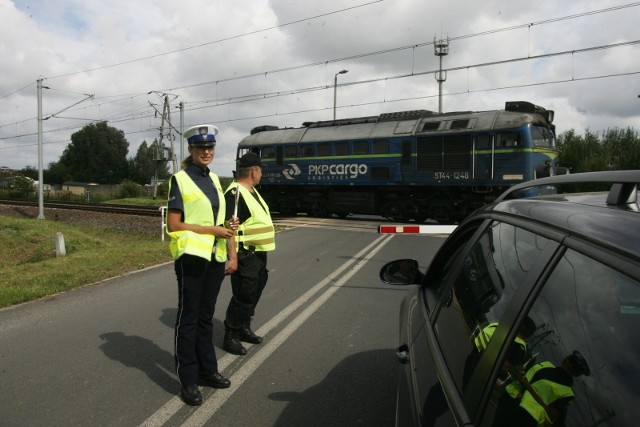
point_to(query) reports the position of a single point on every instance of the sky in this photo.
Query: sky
(246, 63)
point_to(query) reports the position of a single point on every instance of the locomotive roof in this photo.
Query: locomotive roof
(402, 123)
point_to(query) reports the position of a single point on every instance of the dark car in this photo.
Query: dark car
(529, 314)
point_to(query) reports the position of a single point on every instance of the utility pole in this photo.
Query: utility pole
(335, 90)
(40, 156)
(181, 106)
(161, 157)
(441, 48)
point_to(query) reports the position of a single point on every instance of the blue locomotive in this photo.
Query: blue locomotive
(411, 165)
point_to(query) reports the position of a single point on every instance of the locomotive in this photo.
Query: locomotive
(410, 165)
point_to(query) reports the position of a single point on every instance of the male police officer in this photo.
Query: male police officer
(255, 237)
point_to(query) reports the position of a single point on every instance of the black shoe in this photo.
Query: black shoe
(214, 380)
(247, 335)
(191, 395)
(232, 344)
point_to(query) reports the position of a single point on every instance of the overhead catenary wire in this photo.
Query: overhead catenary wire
(140, 113)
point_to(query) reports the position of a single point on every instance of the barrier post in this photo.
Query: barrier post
(162, 220)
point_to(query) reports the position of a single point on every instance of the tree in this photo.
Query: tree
(30, 172)
(621, 148)
(580, 154)
(23, 185)
(97, 153)
(143, 166)
(57, 173)
(617, 150)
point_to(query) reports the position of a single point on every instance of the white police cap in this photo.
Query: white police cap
(201, 135)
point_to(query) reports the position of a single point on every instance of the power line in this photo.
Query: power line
(219, 40)
(362, 104)
(251, 97)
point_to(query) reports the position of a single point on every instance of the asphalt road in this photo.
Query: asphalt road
(102, 354)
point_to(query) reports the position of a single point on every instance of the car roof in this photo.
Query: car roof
(611, 218)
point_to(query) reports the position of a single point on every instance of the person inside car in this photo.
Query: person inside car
(541, 396)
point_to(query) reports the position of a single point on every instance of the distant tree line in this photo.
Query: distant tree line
(615, 149)
(98, 154)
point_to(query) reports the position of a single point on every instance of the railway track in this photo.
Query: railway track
(280, 221)
(93, 207)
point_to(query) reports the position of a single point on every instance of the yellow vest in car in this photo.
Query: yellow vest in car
(257, 232)
(548, 391)
(483, 338)
(197, 210)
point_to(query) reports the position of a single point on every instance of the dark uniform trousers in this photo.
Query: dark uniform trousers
(199, 283)
(247, 284)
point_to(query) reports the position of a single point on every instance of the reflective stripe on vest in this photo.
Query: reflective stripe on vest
(197, 210)
(257, 231)
(548, 391)
(483, 338)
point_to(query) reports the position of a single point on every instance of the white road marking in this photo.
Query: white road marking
(209, 407)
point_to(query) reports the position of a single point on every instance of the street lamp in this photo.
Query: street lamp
(335, 90)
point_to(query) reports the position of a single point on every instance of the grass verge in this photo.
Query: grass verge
(30, 269)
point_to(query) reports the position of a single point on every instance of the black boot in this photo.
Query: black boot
(191, 395)
(247, 335)
(232, 344)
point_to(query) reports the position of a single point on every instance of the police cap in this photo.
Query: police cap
(201, 136)
(248, 160)
(579, 364)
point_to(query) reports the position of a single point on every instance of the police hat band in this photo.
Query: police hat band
(211, 138)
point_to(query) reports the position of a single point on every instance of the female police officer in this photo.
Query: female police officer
(199, 242)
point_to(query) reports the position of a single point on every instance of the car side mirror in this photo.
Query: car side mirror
(401, 272)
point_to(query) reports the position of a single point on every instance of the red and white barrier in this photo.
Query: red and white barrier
(416, 229)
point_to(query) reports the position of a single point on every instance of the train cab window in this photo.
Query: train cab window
(290, 151)
(342, 148)
(360, 147)
(381, 147)
(542, 137)
(306, 150)
(268, 153)
(508, 140)
(323, 150)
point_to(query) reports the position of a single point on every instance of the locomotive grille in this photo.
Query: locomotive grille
(448, 153)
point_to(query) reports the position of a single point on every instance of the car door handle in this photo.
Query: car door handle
(402, 353)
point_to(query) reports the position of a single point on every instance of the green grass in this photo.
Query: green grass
(30, 269)
(139, 201)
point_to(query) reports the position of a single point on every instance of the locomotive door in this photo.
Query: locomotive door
(483, 166)
(406, 166)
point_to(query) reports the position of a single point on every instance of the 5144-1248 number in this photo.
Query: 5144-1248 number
(451, 175)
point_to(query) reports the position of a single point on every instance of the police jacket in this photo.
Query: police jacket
(256, 232)
(198, 210)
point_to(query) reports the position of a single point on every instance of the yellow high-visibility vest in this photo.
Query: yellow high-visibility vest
(198, 210)
(483, 338)
(548, 391)
(257, 231)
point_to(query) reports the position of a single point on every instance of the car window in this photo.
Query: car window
(492, 271)
(583, 367)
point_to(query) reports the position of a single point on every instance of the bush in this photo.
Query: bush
(130, 189)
